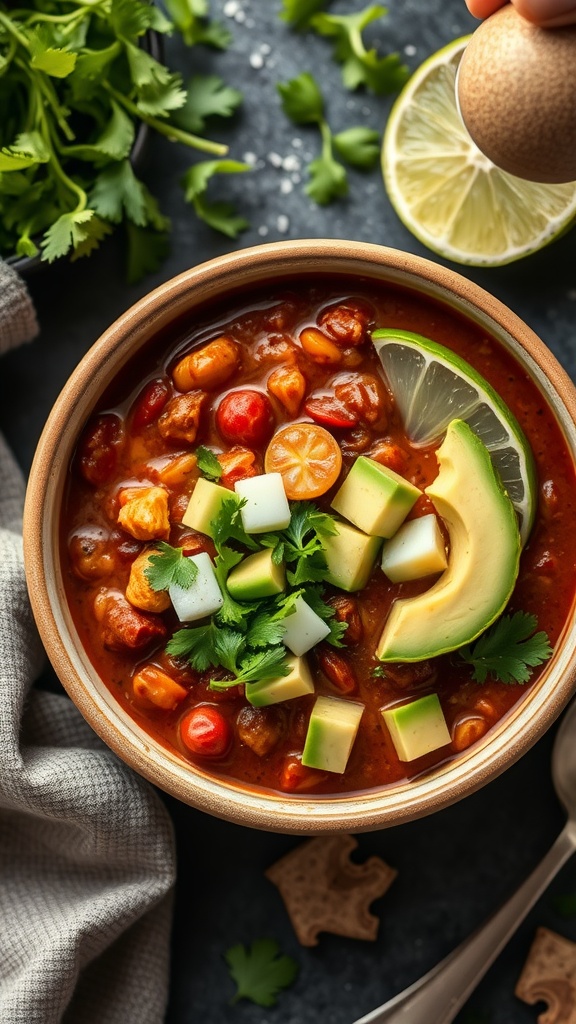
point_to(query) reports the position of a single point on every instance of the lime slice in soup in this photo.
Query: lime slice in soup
(432, 386)
(447, 193)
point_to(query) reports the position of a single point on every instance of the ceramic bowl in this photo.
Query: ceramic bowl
(210, 282)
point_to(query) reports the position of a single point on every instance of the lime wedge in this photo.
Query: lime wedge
(432, 386)
(447, 193)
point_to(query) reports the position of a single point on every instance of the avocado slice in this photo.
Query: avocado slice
(417, 728)
(256, 576)
(331, 732)
(483, 560)
(205, 504)
(298, 683)
(350, 556)
(375, 498)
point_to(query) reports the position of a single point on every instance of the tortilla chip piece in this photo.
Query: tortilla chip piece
(549, 976)
(324, 891)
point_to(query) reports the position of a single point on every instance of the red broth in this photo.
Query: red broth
(124, 448)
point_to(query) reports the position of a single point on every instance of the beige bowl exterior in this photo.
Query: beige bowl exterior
(302, 815)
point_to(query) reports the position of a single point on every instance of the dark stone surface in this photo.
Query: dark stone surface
(456, 866)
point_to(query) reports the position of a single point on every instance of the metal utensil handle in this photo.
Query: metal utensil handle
(440, 994)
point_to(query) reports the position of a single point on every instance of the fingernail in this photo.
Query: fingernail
(548, 12)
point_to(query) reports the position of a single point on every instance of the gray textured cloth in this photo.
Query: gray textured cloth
(87, 860)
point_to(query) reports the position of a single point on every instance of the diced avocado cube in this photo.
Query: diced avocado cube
(350, 555)
(298, 683)
(205, 504)
(417, 549)
(375, 498)
(331, 732)
(203, 597)
(417, 728)
(256, 576)
(303, 628)
(266, 505)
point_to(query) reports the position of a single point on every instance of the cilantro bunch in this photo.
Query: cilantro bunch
(245, 637)
(77, 80)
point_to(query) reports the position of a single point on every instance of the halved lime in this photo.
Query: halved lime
(432, 386)
(447, 193)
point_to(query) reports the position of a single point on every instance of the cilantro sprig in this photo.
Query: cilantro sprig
(170, 565)
(361, 66)
(303, 103)
(260, 971)
(509, 650)
(75, 87)
(245, 637)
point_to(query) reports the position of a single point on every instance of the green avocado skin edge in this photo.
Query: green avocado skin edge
(483, 561)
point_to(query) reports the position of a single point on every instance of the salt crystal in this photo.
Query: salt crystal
(275, 159)
(286, 186)
(291, 163)
(263, 230)
(410, 50)
(231, 8)
(282, 223)
(250, 158)
(256, 60)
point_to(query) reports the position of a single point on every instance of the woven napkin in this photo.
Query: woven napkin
(87, 859)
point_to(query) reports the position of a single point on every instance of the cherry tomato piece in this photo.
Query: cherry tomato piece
(149, 403)
(206, 732)
(245, 417)
(330, 413)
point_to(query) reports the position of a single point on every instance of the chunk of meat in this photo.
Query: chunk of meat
(139, 592)
(181, 418)
(237, 464)
(124, 627)
(288, 385)
(144, 513)
(261, 729)
(346, 322)
(100, 447)
(364, 396)
(337, 669)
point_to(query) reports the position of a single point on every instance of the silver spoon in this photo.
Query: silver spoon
(438, 996)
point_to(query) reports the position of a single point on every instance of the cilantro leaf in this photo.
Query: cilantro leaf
(260, 971)
(170, 565)
(53, 61)
(231, 612)
(206, 96)
(508, 650)
(361, 67)
(220, 216)
(117, 191)
(197, 644)
(208, 463)
(227, 525)
(359, 146)
(302, 100)
(298, 13)
(66, 233)
(147, 249)
(264, 631)
(328, 180)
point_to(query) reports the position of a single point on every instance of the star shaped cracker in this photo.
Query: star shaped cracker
(324, 891)
(549, 976)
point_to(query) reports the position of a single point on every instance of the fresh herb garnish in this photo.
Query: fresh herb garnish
(509, 650)
(303, 103)
(300, 544)
(361, 67)
(260, 971)
(170, 565)
(298, 13)
(74, 89)
(208, 463)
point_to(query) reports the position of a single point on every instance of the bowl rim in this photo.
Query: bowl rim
(270, 810)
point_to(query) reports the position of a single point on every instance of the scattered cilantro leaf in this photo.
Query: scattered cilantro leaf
(509, 650)
(220, 216)
(256, 667)
(302, 100)
(227, 525)
(232, 612)
(264, 631)
(359, 147)
(206, 96)
(361, 67)
(298, 13)
(170, 565)
(208, 463)
(328, 180)
(260, 971)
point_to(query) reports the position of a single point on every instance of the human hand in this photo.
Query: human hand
(548, 13)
